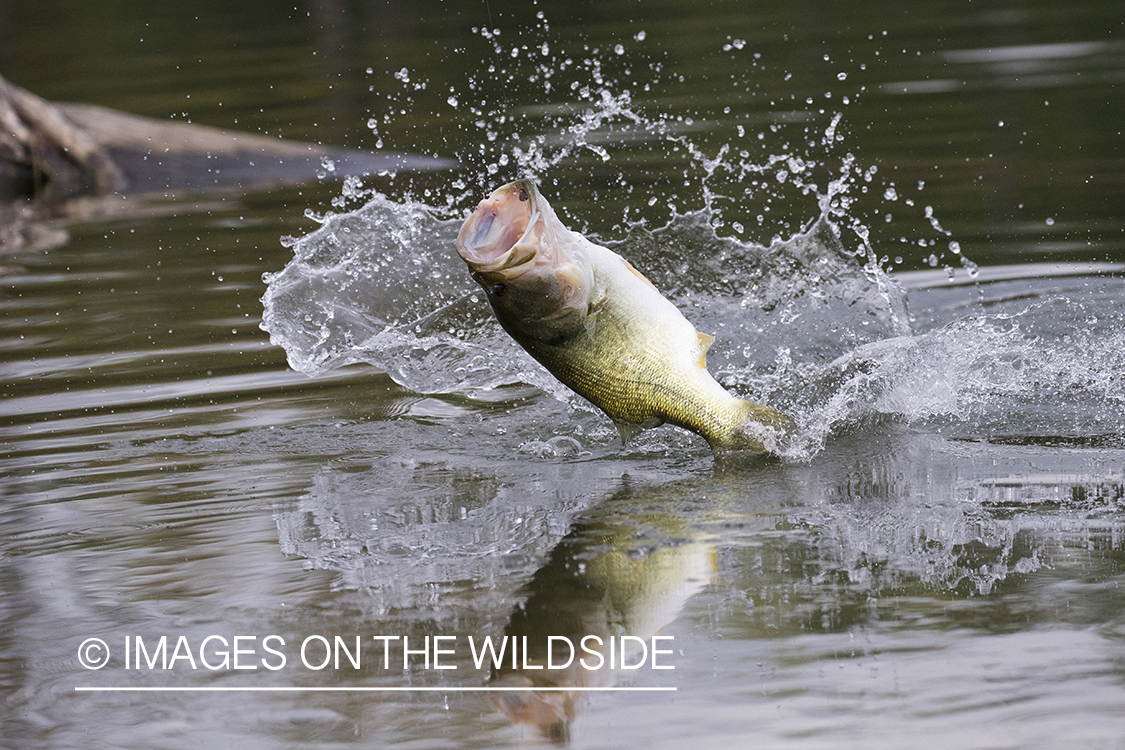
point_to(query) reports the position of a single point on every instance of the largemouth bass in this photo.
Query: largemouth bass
(601, 327)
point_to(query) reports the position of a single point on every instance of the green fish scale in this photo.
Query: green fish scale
(637, 386)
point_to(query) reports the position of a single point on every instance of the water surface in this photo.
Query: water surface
(940, 553)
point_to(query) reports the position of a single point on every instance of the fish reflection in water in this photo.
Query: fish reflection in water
(615, 581)
(900, 536)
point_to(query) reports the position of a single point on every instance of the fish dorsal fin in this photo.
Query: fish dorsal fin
(705, 341)
(637, 273)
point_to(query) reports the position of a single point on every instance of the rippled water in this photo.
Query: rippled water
(939, 555)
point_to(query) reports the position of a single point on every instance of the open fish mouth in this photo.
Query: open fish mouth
(501, 234)
(536, 272)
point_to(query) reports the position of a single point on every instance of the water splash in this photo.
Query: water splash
(812, 323)
(380, 285)
(982, 377)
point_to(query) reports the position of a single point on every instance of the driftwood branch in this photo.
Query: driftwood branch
(39, 142)
(59, 150)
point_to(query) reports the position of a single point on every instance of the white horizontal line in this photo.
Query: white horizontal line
(1025, 52)
(489, 689)
(939, 277)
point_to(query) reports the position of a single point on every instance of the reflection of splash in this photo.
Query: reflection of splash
(910, 521)
(888, 529)
(894, 511)
(407, 531)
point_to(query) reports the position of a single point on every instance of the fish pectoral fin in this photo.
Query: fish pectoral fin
(592, 315)
(705, 341)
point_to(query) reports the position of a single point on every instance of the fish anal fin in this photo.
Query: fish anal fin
(625, 429)
(705, 341)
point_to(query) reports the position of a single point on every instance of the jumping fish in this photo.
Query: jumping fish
(601, 327)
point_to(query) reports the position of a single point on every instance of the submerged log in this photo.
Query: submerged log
(39, 144)
(61, 150)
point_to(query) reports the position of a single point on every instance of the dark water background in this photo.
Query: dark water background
(943, 560)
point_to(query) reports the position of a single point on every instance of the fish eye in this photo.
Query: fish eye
(498, 290)
(523, 194)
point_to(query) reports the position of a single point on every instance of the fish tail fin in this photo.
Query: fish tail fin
(754, 428)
